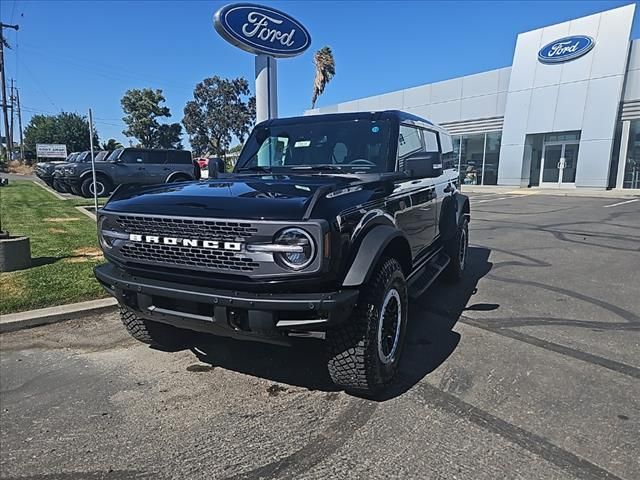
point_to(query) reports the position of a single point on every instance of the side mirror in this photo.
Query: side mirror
(216, 166)
(424, 165)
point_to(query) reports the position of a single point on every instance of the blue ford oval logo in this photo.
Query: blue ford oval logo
(261, 30)
(565, 49)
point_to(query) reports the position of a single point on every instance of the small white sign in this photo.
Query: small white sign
(302, 143)
(51, 150)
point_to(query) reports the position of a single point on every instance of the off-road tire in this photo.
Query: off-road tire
(156, 334)
(355, 362)
(86, 187)
(76, 190)
(59, 187)
(457, 248)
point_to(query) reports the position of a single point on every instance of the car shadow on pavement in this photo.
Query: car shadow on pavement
(430, 340)
(302, 364)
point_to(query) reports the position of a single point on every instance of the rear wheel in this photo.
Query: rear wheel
(103, 187)
(457, 248)
(364, 352)
(155, 334)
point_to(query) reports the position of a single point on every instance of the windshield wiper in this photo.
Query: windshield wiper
(320, 168)
(256, 168)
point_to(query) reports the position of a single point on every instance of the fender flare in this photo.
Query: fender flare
(453, 211)
(173, 174)
(89, 173)
(369, 253)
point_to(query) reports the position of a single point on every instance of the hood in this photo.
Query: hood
(259, 197)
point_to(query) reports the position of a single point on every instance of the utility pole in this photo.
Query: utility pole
(12, 102)
(20, 125)
(4, 88)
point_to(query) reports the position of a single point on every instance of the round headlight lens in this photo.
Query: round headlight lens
(295, 237)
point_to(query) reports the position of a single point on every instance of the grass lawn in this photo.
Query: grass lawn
(64, 249)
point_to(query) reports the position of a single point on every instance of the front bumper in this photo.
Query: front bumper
(244, 315)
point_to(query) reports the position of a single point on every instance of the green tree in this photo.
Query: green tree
(111, 144)
(325, 71)
(143, 108)
(70, 129)
(220, 110)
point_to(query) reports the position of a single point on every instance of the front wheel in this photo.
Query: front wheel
(103, 187)
(156, 334)
(364, 352)
(60, 187)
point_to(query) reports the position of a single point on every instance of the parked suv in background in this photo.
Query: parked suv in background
(71, 172)
(44, 170)
(328, 224)
(133, 165)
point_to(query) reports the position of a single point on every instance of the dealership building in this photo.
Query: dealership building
(566, 113)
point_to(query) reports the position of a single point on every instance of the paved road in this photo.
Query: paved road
(529, 369)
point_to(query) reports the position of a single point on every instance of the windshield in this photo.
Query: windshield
(101, 156)
(351, 145)
(115, 154)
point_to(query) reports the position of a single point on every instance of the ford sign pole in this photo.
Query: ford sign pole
(93, 164)
(266, 88)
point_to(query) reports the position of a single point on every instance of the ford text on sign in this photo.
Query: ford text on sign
(261, 30)
(565, 49)
(51, 150)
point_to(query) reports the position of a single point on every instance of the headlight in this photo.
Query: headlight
(295, 237)
(105, 241)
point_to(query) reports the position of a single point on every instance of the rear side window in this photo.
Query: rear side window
(179, 156)
(133, 156)
(156, 157)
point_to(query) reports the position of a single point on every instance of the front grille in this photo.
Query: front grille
(188, 257)
(187, 228)
(182, 256)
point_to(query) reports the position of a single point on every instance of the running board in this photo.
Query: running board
(427, 274)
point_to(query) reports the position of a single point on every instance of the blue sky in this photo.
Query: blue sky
(73, 55)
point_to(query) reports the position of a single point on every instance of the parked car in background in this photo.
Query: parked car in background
(81, 164)
(133, 165)
(44, 170)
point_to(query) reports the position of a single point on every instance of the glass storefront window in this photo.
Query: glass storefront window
(476, 157)
(491, 157)
(632, 163)
(471, 159)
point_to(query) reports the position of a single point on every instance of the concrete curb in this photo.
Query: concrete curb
(51, 191)
(44, 316)
(88, 213)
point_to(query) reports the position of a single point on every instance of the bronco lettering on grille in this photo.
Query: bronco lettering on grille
(187, 242)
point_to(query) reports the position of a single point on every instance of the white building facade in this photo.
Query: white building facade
(570, 123)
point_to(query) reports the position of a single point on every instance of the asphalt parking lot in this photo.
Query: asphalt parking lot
(530, 369)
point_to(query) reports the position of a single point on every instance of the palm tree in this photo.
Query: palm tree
(111, 144)
(325, 70)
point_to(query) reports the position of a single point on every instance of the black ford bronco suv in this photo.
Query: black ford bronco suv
(329, 224)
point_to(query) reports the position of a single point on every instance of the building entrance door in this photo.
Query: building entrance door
(559, 161)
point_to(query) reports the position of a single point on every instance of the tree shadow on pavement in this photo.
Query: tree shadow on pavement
(429, 342)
